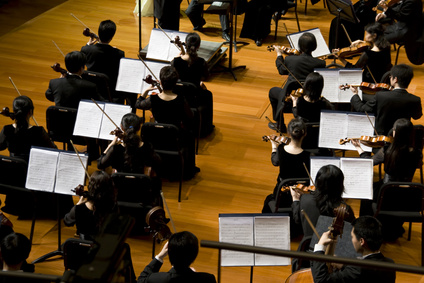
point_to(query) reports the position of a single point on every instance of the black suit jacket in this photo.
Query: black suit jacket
(151, 274)
(67, 92)
(408, 16)
(351, 273)
(388, 106)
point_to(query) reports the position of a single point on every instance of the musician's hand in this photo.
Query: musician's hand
(294, 99)
(164, 252)
(92, 41)
(380, 16)
(295, 194)
(356, 42)
(147, 90)
(81, 200)
(354, 90)
(336, 266)
(274, 145)
(357, 145)
(192, 268)
(278, 50)
(383, 4)
(62, 76)
(203, 86)
(325, 239)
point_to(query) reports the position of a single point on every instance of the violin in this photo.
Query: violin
(6, 112)
(377, 141)
(389, 3)
(87, 32)
(79, 191)
(300, 188)
(285, 50)
(278, 139)
(152, 82)
(119, 133)
(157, 223)
(180, 44)
(368, 88)
(352, 50)
(296, 93)
(56, 67)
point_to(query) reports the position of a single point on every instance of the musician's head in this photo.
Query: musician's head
(192, 42)
(102, 193)
(402, 132)
(313, 86)
(366, 234)
(75, 61)
(183, 248)
(297, 129)
(329, 187)
(374, 33)
(107, 30)
(401, 74)
(168, 77)
(307, 43)
(130, 122)
(23, 109)
(15, 249)
(131, 125)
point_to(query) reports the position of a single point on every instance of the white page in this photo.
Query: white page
(318, 162)
(70, 172)
(331, 87)
(272, 232)
(359, 125)
(41, 169)
(131, 75)
(358, 177)
(236, 230)
(89, 118)
(160, 47)
(173, 50)
(155, 67)
(322, 48)
(115, 112)
(333, 127)
(351, 77)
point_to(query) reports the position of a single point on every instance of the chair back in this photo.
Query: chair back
(14, 171)
(133, 188)
(102, 82)
(75, 252)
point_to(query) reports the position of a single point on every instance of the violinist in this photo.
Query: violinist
(300, 66)
(366, 239)
(376, 60)
(192, 69)
(388, 106)
(68, 90)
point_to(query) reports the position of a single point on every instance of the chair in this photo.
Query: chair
(402, 201)
(274, 205)
(306, 4)
(75, 253)
(166, 141)
(278, 16)
(102, 82)
(419, 144)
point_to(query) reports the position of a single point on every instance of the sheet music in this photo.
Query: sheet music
(318, 162)
(331, 87)
(70, 172)
(89, 119)
(115, 112)
(272, 232)
(351, 77)
(131, 75)
(155, 67)
(359, 125)
(41, 169)
(160, 47)
(237, 230)
(322, 48)
(358, 177)
(332, 128)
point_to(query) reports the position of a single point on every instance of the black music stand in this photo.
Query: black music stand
(139, 27)
(342, 10)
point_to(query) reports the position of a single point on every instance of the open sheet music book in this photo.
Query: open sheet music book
(358, 174)
(160, 47)
(92, 123)
(333, 78)
(337, 125)
(133, 71)
(261, 230)
(322, 47)
(55, 171)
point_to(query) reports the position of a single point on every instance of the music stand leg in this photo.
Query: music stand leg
(251, 274)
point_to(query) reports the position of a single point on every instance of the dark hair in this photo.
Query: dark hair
(107, 30)
(192, 42)
(380, 41)
(369, 229)
(313, 86)
(102, 193)
(22, 107)
(403, 73)
(15, 248)
(74, 61)
(307, 43)
(168, 77)
(131, 124)
(297, 129)
(397, 152)
(183, 248)
(329, 189)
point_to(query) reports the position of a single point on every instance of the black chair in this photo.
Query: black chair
(274, 205)
(75, 253)
(279, 15)
(402, 202)
(167, 142)
(102, 82)
(419, 144)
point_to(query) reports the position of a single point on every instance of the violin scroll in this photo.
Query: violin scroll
(6, 112)
(56, 67)
(119, 133)
(152, 82)
(79, 191)
(87, 32)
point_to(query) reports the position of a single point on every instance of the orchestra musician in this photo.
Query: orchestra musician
(192, 69)
(388, 106)
(366, 239)
(68, 90)
(167, 13)
(376, 60)
(300, 66)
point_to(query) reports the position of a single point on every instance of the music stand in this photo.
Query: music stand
(342, 10)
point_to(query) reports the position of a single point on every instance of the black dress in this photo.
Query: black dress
(311, 111)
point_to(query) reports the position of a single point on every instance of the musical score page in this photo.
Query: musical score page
(322, 47)
(359, 125)
(358, 177)
(89, 119)
(332, 128)
(272, 232)
(115, 112)
(318, 162)
(330, 90)
(130, 76)
(41, 169)
(160, 47)
(351, 77)
(70, 172)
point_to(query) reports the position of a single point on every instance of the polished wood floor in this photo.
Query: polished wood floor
(236, 172)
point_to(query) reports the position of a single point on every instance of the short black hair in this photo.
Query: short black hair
(15, 248)
(107, 30)
(74, 61)
(313, 86)
(307, 43)
(403, 73)
(369, 229)
(168, 77)
(297, 128)
(183, 248)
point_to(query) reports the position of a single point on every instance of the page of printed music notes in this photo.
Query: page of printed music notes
(318, 162)
(358, 177)
(70, 172)
(322, 47)
(41, 169)
(160, 47)
(115, 112)
(131, 75)
(359, 125)
(331, 80)
(272, 232)
(236, 230)
(89, 119)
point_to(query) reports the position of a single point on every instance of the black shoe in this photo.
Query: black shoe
(258, 42)
(200, 27)
(226, 36)
(273, 126)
